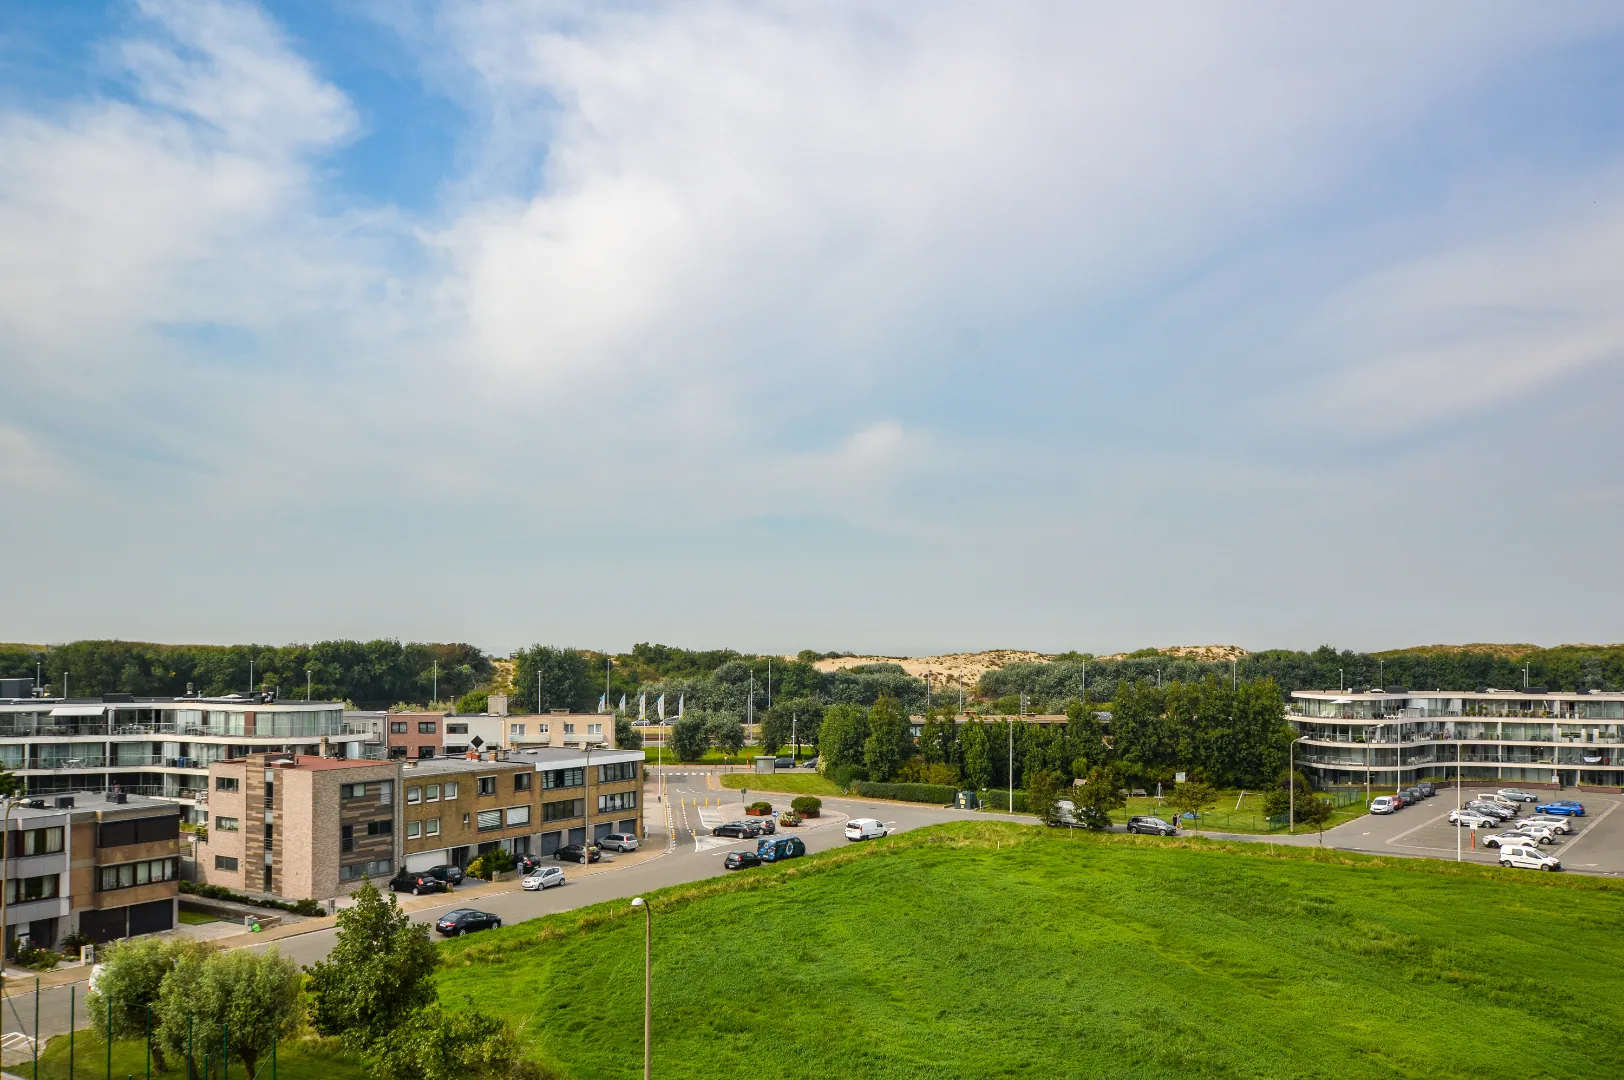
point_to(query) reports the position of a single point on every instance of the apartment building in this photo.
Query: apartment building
(301, 826)
(1396, 736)
(160, 747)
(104, 864)
(404, 734)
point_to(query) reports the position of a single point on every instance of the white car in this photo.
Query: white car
(1382, 804)
(1516, 795)
(1550, 821)
(1472, 819)
(1527, 857)
(1520, 836)
(542, 877)
(864, 828)
(619, 841)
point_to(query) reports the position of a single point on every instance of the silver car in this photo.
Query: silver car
(542, 877)
(619, 841)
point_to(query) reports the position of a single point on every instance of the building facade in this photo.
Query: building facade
(406, 735)
(1397, 737)
(106, 865)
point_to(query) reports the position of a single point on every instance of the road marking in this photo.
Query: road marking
(1418, 828)
(1588, 829)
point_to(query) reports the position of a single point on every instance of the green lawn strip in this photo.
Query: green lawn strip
(787, 783)
(197, 918)
(712, 757)
(306, 1059)
(990, 950)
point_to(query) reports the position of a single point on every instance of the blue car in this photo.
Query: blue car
(769, 849)
(1566, 808)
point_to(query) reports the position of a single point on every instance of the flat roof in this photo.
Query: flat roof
(87, 800)
(313, 762)
(1477, 695)
(447, 765)
(137, 702)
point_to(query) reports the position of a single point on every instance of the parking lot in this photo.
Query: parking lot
(1596, 845)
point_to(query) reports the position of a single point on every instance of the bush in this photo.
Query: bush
(220, 892)
(760, 807)
(806, 805)
(998, 799)
(488, 865)
(940, 794)
(847, 775)
(37, 959)
(73, 943)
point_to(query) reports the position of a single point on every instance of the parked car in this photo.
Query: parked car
(466, 921)
(525, 864)
(740, 860)
(542, 877)
(446, 872)
(1565, 808)
(1413, 794)
(572, 853)
(864, 828)
(780, 847)
(1472, 819)
(743, 830)
(1542, 833)
(1516, 795)
(810, 763)
(1428, 789)
(1551, 821)
(1494, 810)
(1518, 836)
(1399, 802)
(1528, 857)
(1382, 804)
(1151, 826)
(417, 883)
(783, 763)
(619, 841)
(766, 824)
(1500, 800)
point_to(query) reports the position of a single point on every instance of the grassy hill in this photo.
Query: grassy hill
(983, 950)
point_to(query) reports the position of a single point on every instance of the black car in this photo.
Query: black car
(739, 860)
(1151, 826)
(417, 883)
(445, 872)
(466, 921)
(744, 830)
(1427, 790)
(572, 853)
(524, 864)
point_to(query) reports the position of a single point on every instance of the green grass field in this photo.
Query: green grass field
(305, 1060)
(980, 949)
(805, 783)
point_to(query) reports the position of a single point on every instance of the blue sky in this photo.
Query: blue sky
(912, 328)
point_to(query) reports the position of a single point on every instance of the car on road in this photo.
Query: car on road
(1550, 821)
(451, 875)
(417, 883)
(740, 860)
(1528, 857)
(1518, 836)
(542, 877)
(466, 921)
(1517, 795)
(1382, 804)
(864, 828)
(619, 841)
(766, 824)
(1472, 819)
(779, 848)
(784, 763)
(572, 853)
(1152, 826)
(810, 763)
(743, 830)
(1399, 802)
(1413, 794)
(1564, 807)
(1427, 789)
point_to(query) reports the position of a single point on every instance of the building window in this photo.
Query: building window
(455, 749)
(521, 781)
(346, 838)
(431, 793)
(488, 820)
(518, 815)
(594, 729)
(380, 828)
(432, 827)
(563, 778)
(515, 729)
(621, 770)
(561, 811)
(353, 791)
(451, 791)
(414, 795)
(398, 727)
(380, 868)
(427, 727)
(625, 800)
(22, 890)
(414, 829)
(487, 785)
(225, 783)
(569, 729)
(225, 862)
(37, 841)
(425, 751)
(386, 791)
(456, 729)
(541, 729)
(225, 824)
(130, 875)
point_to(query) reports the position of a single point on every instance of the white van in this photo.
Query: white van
(1528, 857)
(864, 828)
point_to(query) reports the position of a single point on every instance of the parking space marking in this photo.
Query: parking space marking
(1418, 828)
(1587, 830)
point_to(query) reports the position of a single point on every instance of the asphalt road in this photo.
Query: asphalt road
(694, 807)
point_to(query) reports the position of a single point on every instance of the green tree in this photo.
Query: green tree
(627, 737)
(466, 1044)
(689, 740)
(131, 976)
(888, 742)
(379, 972)
(1315, 813)
(841, 737)
(568, 680)
(1192, 797)
(242, 999)
(977, 752)
(1098, 795)
(474, 701)
(790, 719)
(1043, 789)
(725, 732)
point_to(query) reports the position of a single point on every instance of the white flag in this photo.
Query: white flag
(603, 702)
(622, 702)
(679, 706)
(642, 706)
(659, 706)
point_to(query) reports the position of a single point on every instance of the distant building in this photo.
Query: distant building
(406, 734)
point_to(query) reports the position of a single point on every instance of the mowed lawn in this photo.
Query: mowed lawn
(798, 783)
(981, 949)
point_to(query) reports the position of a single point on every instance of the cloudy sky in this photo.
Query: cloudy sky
(896, 327)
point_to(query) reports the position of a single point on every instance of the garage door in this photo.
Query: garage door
(627, 826)
(153, 917)
(577, 836)
(100, 926)
(551, 842)
(602, 829)
(416, 864)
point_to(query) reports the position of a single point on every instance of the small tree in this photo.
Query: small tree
(1192, 797)
(725, 733)
(688, 738)
(378, 973)
(1314, 812)
(1042, 792)
(627, 737)
(466, 1044)
(888, 742)
(1100, 793)
(243, 999)
(131, 976)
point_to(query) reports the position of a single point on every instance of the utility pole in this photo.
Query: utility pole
(434, 695)
(250, 676)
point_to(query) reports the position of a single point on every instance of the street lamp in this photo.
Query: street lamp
(5, 870)
(1291, 784)
(648, 984)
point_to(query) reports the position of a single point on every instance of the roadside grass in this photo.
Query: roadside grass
(785, 783)
(1233, 812)
(986, 949)
(197, 918)
(305, 1059)
(712, 757)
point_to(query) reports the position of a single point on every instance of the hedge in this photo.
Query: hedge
(998, 799)
(940, 794)
(219, 892)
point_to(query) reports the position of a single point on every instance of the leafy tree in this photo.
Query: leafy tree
(246, 999)
(627, 737)
(1098, 795)
(474, 701)
(795, 718)
(467, 1044)
(131, 976)
(1276, 802)
(977, 753)
(1315, 812)
(567, 679)
(841, 737)
(378, 973)
(888, 742)
(1043, 789)
(1192, 797)
(689, 739)
(725, 732)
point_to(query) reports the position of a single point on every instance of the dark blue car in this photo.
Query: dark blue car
(770, 849)
(1564, 807)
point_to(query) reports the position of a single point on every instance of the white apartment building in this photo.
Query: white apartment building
(1396, 737)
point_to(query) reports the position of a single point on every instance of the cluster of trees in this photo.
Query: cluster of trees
(371, 674)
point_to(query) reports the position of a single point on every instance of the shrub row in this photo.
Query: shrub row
(998, 799)
(220, 892)
(940, 794)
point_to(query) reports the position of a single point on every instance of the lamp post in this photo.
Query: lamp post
(648, 984)
(307, 684)
(1291, 785)
(5, 871)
